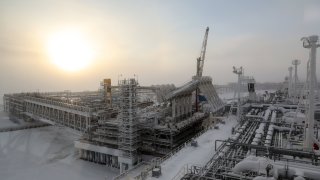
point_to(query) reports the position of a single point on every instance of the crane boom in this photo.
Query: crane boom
(200, 59)
(200, 62)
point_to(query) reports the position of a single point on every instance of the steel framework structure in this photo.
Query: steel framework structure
(129, 136)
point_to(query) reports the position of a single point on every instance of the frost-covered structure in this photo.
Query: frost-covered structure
(120, 123)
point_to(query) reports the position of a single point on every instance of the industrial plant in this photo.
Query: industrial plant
(275, 134)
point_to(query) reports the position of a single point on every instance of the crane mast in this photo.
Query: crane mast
(200, 62)
(200, 59)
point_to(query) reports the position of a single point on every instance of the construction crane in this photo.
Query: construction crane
(200, 62)
(200, 59)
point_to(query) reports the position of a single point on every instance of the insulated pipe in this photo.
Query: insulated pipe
(266, 115)
(282, 109)
(234, 137)
(259, 164)
(270, 129)
(263, 178)
(251, 163)
(279, 128)
(273, 116)
(251, 111)
(260, 130)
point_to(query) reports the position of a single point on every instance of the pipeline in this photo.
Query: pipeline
(271, 128)
(260, 131)
(262, 165)
(282, 109)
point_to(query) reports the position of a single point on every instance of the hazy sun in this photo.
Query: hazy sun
(69, 50)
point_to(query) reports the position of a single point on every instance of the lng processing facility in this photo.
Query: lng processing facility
(189, 132)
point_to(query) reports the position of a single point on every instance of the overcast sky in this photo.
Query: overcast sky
(159, 40)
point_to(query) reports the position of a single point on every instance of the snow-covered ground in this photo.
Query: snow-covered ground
(196, 155)
(44, 153)
(6, 121)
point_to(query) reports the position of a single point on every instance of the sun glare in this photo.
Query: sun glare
(69, 50)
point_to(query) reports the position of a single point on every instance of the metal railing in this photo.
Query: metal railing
(59, 104)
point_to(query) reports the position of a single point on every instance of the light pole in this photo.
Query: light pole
(295, 62)
(239, 72)
(311, 43)
(290, 83)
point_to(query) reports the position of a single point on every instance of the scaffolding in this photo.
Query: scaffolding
(106, 91)
(128, 137)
